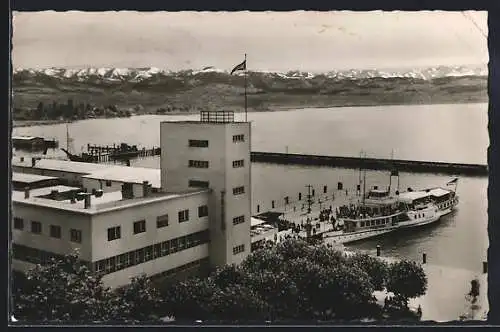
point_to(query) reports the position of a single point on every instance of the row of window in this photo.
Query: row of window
(205, 164)
(238, 249)
(139, 256)
(33, 255)
(198, 164)
(238, 138)
(239, 190)
(238, 220)
(75, 235)
(114, 233)
(195, 143)
(374, 222)
(238, 163)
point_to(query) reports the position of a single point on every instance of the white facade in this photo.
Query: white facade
(93, 224)
(217, 229)
(227, 240)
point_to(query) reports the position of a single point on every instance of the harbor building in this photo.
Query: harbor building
(127, 221)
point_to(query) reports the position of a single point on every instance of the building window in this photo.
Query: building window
(157, 250)
(198, 164)
(75, 235)
(238, 138)
(18, 223)
(183, 215)
(165, 248)
(238, 163)
(238, 249)
(148, 253)
(114, 233)
(238, 220)
(182, 243)
(162, 221)
(198, 184)
(238, 190)
(139, 256)
(173, 245)
(202, 211)
(55, 231)
(108, 183)
(198, 143)
(36, 227)
(139, 226)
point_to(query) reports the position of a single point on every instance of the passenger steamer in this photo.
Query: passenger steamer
(381, 213)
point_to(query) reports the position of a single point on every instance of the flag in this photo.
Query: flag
(455, 180)
(241, 66)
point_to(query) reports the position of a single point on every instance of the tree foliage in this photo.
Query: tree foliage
(290, 281)
(407, 280)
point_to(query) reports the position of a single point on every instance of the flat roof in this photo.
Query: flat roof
(43, 191)
(256, 221)
(438, 192)
(128, 174)
(30, 178)
(61, 165)
(107, 202)
(413, 195)
(28, 138)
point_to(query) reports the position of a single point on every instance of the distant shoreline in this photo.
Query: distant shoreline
(277, 108)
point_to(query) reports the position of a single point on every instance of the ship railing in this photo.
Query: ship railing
(372, 218)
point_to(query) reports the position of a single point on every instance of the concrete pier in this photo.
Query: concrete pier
(412, 166)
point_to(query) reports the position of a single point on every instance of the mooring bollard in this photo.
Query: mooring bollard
(424, 258)
(485, 267)
(378, 251)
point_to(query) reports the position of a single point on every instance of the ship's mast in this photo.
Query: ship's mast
(67, 137)
(390, 172)
(364, 182)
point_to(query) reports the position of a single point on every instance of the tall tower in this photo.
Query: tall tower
(215, 153)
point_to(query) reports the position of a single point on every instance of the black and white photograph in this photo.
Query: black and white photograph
(249, 168)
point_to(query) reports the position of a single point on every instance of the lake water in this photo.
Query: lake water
(451, 133)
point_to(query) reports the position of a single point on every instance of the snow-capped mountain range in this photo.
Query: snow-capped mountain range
(144, 74)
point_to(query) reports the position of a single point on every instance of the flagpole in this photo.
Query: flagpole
(245, 87)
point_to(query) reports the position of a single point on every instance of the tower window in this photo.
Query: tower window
(239, 190)
(195, 143)
(239, 163)
(198, 164)
(199, 184)
(238, 249)
(238, 220)
(238, 138)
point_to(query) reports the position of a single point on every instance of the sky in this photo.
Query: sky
(277, 41)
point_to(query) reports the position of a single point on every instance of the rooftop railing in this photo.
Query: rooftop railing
(217, 116)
